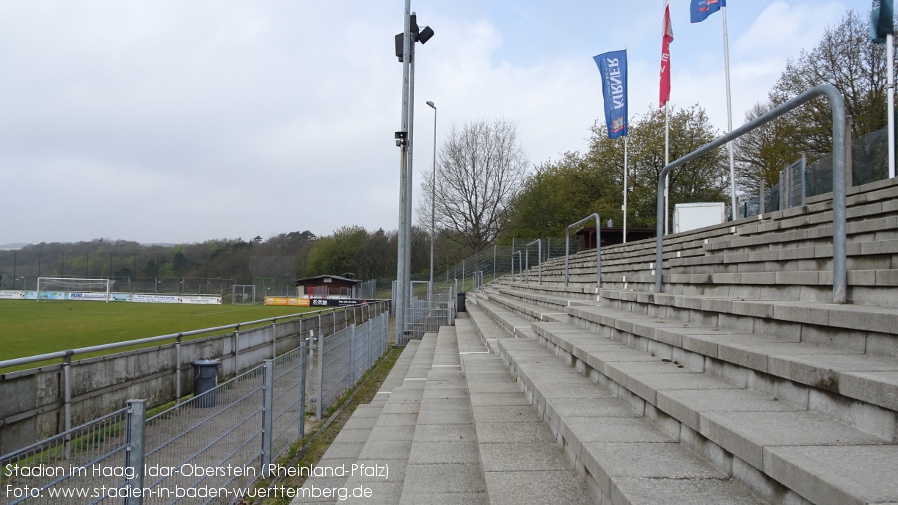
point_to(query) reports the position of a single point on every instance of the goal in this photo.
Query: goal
(69, 288)
(243, 294)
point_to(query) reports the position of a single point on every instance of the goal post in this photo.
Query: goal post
(243, 294)
(72, 288)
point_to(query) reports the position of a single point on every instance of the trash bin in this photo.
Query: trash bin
(460, 301)
(205, 379)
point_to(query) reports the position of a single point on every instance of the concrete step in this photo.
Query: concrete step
(621, 455)
(708, 402)
(521, 461)
(443, 464)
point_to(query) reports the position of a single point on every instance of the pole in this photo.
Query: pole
(403, 240)
(666, 162)
(433, 195)
(408, 176)
(726, 57)
(890, 55)
(624, 208)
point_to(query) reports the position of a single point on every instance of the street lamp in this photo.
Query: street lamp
(433, 194)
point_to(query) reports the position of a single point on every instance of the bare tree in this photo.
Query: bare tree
(847, 59)
(480, 170)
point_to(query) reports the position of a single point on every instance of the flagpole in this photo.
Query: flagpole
(666, 162)
(624, 208)
(726, 56)
(891, 94)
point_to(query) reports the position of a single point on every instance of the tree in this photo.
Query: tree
(761, 153)
(847, 59)
(580, 184)
(481, 168)
(703, 179)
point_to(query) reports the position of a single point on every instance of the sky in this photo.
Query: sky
(172, 121)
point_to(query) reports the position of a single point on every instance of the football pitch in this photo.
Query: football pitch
(29, 327)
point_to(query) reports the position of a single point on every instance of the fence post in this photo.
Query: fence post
(67, 398)
(274, 338)
(301, 409)
(320, 389)
(236, 349)
(351, 355)
(267, 413)
(134, 454)
(178, 370)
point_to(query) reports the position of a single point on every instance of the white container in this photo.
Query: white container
(689, 216)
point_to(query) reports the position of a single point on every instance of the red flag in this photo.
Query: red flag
(665, 57)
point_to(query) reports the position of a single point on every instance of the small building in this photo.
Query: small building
(612, 235)
(326, 286)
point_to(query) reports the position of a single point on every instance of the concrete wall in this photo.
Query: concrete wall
(33, 401)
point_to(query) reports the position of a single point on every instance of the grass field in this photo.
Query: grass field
(28, 327)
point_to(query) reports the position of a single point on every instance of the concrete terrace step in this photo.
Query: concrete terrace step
(521, 461)
(620, 454)
(832, 361)
(444, 464)
(773, 445)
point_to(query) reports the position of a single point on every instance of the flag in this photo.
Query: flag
(699, 10)
(665, 57)
(881, 21)
(613, 66)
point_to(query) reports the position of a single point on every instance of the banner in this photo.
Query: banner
(665, 58)
(881, 23)
(613, 66)
(699, 10)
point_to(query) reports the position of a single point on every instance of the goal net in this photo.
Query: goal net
(243, 293)
(68, 288)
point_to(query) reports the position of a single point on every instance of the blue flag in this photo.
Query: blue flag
(881, 21)
(699, 10)
(613, 66)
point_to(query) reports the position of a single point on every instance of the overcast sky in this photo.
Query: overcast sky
(190, 120)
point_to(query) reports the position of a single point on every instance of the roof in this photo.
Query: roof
(320, 278)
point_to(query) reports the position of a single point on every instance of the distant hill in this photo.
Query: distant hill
(9, 247)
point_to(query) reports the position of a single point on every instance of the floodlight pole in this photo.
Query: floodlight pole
(402, 273)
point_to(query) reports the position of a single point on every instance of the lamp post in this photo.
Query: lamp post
(433, 194)
(405, 51)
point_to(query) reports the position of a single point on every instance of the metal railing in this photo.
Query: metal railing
(567, 237)
(73, 392)
(840, 294)
(62, 467)
(539, 264)
(210, 448)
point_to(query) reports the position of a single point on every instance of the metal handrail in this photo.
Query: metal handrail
(567, 248)
(539, 265)
(837, 104)
(148, 340)
(520, 263)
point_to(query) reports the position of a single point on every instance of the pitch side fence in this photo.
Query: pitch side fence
(209, 449)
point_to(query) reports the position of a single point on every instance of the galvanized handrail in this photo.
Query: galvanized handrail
(539, 265)
(520, 263)
(567, 248)
(837, 104)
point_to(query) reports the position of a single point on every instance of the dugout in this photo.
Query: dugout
(327, 286)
